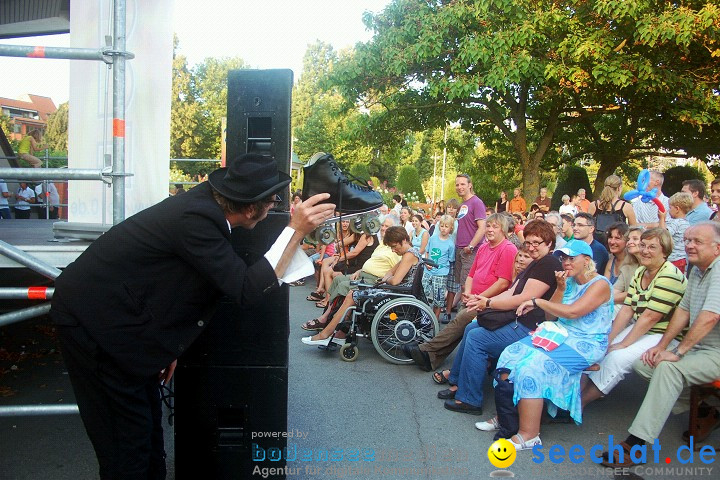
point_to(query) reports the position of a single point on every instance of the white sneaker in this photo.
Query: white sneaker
(324, 342)
(525, 445)
(491, 425)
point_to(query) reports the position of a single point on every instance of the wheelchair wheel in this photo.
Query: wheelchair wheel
(401, 321)
(349, 352)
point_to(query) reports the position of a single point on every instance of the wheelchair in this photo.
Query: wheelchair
(392, 318)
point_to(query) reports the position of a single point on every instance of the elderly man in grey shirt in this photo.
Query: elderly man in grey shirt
(646, 213)
(695, 361)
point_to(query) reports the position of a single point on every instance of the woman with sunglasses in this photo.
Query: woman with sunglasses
(582, 304)
(480, 344)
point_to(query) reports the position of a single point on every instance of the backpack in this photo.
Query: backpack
(604, 219)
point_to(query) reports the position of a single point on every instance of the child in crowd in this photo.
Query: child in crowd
(322, 251)
(680, 204)
(452, 207)
(435, 225)
(441, 249)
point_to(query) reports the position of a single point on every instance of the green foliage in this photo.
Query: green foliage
(199, 102)
(492, 170)
(387, 196)
(56, 132)
(321, 119)
(676, 175)
(5, 124)
(570, 180)
(408, 182)
(177, 175)
(360, 170)
(619, 76)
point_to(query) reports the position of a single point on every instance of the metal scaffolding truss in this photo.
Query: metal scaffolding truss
(114, 55)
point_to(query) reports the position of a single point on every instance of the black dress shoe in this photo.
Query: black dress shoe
(446, 394)
(452, 404)
(421, 359)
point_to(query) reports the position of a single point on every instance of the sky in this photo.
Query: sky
(265, 34)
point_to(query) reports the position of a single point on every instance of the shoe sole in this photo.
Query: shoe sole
(463, 410)
(530, 447)
(322, 343)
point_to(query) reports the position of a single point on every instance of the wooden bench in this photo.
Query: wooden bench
(698, 393)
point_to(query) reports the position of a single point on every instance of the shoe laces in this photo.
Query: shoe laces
(349, 179)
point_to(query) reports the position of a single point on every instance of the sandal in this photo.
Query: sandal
(439, 377)
(313, 325)
(315, 297)
(321, 304)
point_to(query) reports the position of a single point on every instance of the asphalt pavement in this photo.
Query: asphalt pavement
(366, 419)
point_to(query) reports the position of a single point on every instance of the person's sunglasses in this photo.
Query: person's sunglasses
(276, 200)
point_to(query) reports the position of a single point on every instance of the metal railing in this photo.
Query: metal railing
(44, 203)
(216, 161)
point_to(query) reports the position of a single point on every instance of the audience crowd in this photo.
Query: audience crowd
(555, 307)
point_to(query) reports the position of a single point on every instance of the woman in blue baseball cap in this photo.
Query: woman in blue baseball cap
(548, 365)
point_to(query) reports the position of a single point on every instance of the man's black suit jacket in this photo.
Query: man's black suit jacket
(146, 288)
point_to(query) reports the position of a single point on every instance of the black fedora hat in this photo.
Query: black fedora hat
(249, 178)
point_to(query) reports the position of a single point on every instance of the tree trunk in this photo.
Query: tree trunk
(530, 169)
(608, 162)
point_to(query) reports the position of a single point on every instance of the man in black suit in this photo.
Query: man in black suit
(142, 292)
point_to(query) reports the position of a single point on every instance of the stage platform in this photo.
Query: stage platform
(37, 238)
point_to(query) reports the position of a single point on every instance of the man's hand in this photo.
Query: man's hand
(653, 356)
(167, 373)
(309, 214)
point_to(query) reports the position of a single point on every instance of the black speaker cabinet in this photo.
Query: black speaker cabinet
(230, 422)
(254, 335)
(231, 385)
(258, 117)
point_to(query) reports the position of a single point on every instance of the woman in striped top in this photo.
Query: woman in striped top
(655, 290)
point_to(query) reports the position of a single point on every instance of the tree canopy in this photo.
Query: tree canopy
(612, 74)
(56, 132)
(199, 102)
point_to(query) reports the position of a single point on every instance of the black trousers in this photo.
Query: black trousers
(122, 414)
(22, 214)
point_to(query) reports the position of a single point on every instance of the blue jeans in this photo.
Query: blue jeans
(316, 256)
(470, 366)
(5, 213)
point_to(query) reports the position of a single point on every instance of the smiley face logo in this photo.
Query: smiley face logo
(501, 453)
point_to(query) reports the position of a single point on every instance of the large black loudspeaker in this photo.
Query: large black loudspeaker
(258, 117)
(231, 384)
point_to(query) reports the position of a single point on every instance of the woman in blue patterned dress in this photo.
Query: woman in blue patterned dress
(582, 305)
